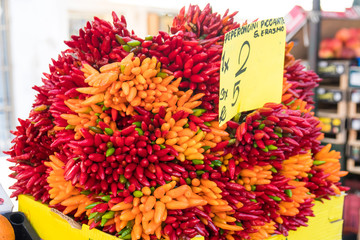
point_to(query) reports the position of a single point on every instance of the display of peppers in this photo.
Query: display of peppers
(124, 137)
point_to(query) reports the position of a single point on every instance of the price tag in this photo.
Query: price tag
(252, 65)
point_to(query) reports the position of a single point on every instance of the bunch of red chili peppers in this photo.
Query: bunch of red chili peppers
(124, 136)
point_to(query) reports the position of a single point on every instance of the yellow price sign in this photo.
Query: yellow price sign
(252, 65)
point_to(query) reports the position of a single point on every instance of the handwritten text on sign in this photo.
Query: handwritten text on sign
(252, 64)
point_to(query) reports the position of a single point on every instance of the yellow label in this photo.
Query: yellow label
(252, 65)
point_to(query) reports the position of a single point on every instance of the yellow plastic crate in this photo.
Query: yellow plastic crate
(327, 225)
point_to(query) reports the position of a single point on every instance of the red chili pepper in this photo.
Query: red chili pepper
(231, 167)
(130, 167)
(211, 71)
(233, 124)
(60, 141)
(192, 126)
(182, 181)
(200, 57)
(129, 140)
(182, 218)
(149, 174)
(178, 62)
(129, 199)
(103, 126)
(134, 184)
(220, 146)
(189, 231)
(189, 64)
(97, 157)
(83, 178)
(200, 228)
(167, 177)
(243, 216)
(110, 228)
(101, 172)
(190, 43)
(168, 229)
(291, 141)
(128, 130)
(166, 168)
(173, 151)
(259, 134)
(200, 213)
(197, 79)
(212, 227)
(195, 119)
(234, 186)
(247, 137)
(260, 144)
(167, 158)
(24, 175)
(101, 207)
(178, 115)
(69, 164)
(256, 212)
(173, 235)
(145, 182)
(204, 127)
(164, 60)
(208, 117)
(176, 167)
(70, 174)
(32, 180)
(97, 140)
(197, 68)
(240, 131)
(157, 132)
(86, 133)
(140, 171)
(104, 185)
(84, 143)
(162, 152)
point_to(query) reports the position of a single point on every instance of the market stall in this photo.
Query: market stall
(204, 132)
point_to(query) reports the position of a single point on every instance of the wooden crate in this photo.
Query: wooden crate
(333, 128)
(339, 138)
(354, 103)
(351, 167)
(331, 102)
(353, 152)
(354, 137)
(354, 109)
(334, 73)
(340, 82)
(333, 68)
(332, 110)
